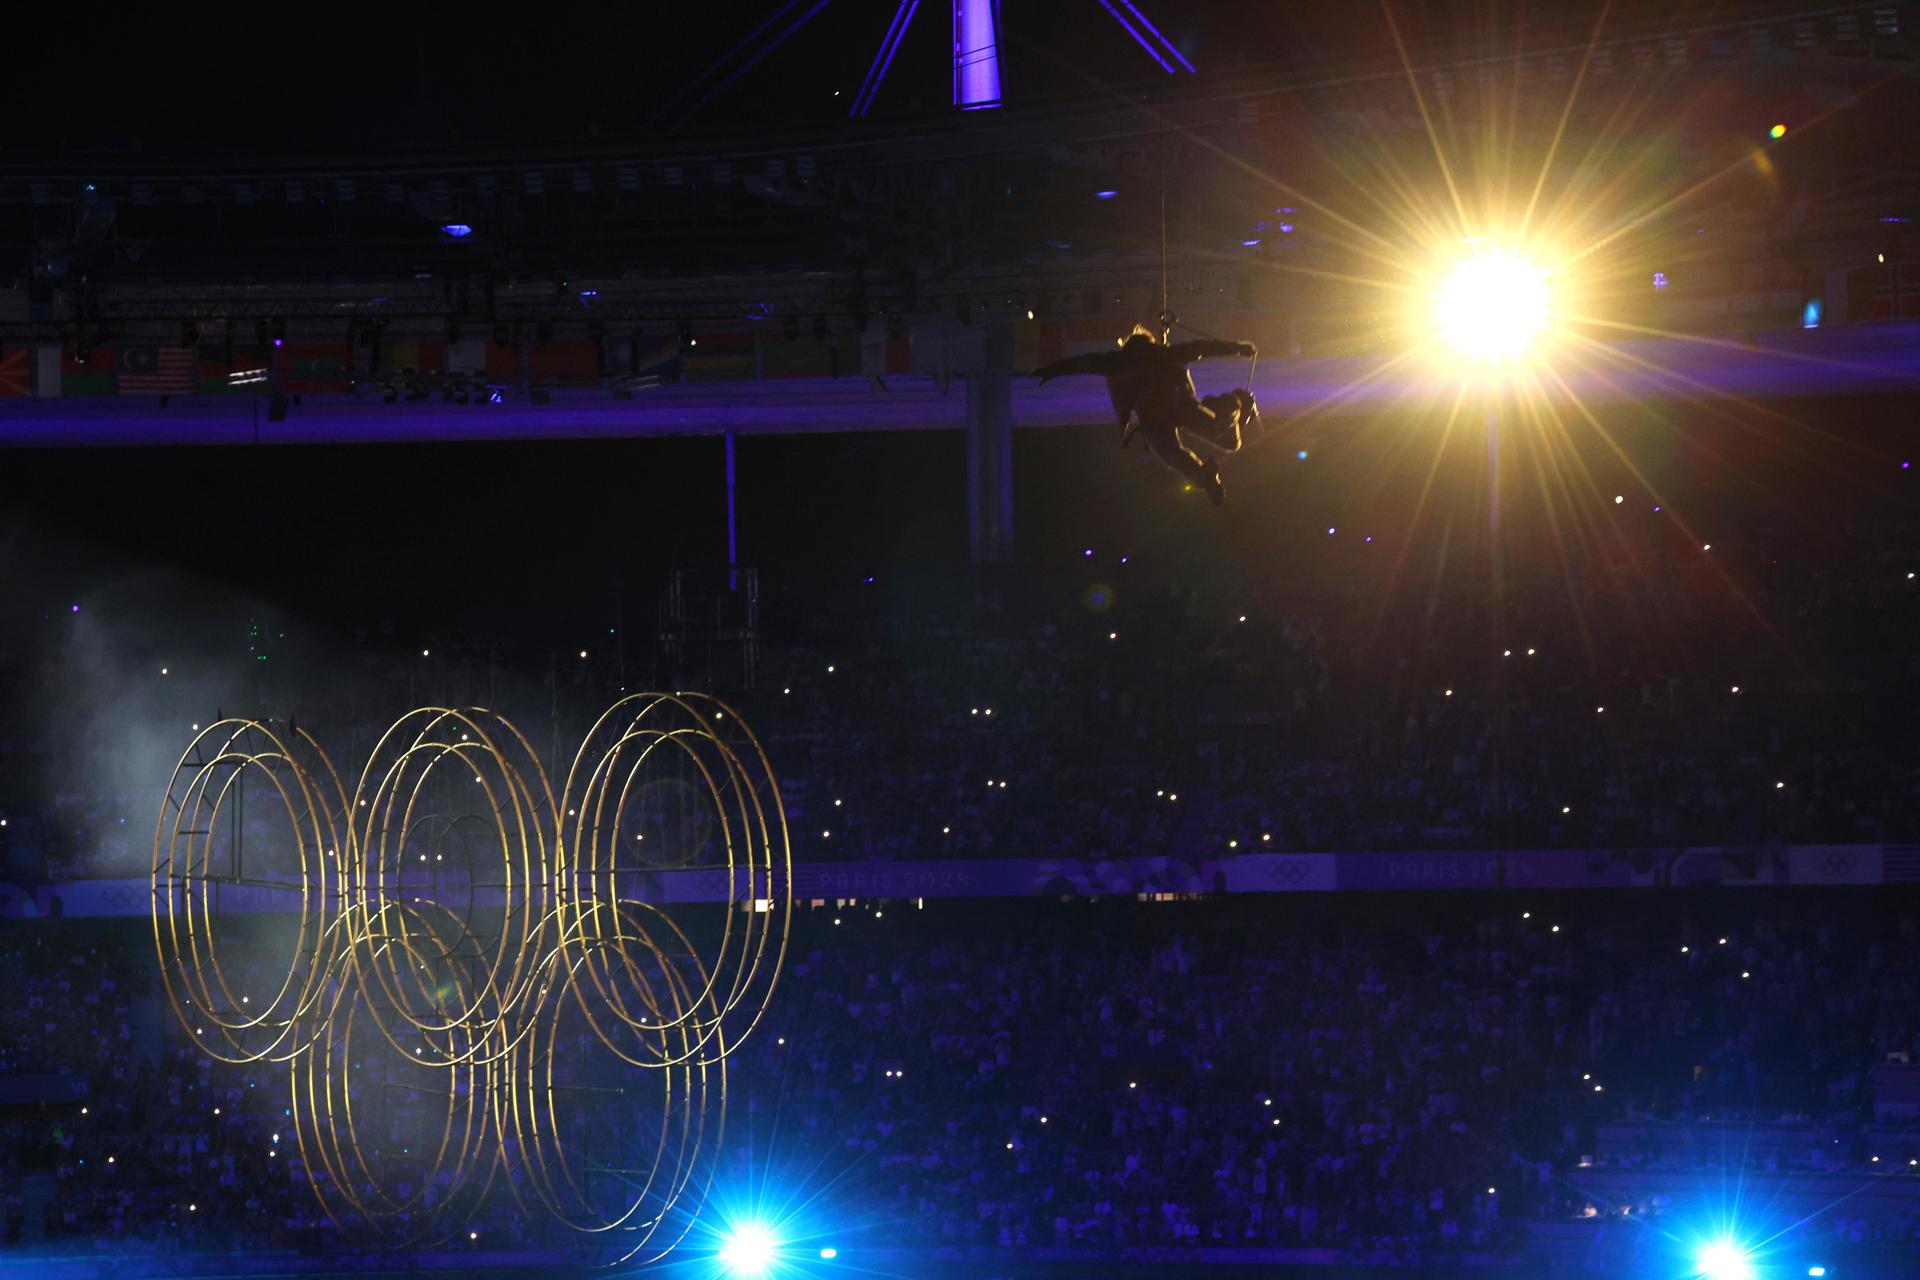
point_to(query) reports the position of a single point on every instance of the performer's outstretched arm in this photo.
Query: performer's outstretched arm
(1207, 348)
(1090, 362)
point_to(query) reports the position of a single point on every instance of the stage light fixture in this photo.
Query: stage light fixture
(1723, 1260)
(1493, 305)
(749, 1250)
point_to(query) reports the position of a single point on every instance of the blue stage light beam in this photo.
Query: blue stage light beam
(749, 1249)
(1723, 1260)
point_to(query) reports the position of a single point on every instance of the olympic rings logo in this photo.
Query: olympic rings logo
(1288, 871)
(471, 986)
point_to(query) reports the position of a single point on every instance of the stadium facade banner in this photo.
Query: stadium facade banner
(1729, 864)
(1584, 868)
(1835, 864)
(1278, 873)
(1849, 864)
(1453, 869)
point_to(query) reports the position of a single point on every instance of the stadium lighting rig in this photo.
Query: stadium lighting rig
(749, 1249)
(1723, 1260)
(1493, 306)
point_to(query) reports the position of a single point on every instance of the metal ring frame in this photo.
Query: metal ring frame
(482, 1029)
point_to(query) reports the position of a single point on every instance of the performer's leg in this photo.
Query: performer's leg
(1203, 473)
(1215, 421)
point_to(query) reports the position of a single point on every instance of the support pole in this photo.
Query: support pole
(1493, 466)
(733, 523)
(990, 451)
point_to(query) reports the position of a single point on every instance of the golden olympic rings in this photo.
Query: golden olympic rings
(476, 993)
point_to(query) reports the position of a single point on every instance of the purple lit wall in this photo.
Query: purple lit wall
(1859, 359)
(976, 54)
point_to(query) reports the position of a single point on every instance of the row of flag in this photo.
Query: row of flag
(934, 348)
(127, 368)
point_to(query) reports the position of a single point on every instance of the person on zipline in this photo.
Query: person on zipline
(1148, 381)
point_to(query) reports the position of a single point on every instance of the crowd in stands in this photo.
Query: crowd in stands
(1654, 694)
(1677, 696)
(1381, 1076)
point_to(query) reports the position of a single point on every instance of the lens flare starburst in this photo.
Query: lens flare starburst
(1724, 1260)
(1493, 306)
(749, 1250)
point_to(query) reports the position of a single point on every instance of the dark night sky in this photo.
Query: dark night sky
(353, 79)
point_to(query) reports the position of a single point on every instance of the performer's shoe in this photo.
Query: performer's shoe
(1216, 494)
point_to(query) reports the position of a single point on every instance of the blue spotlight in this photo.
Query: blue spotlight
(1816, 1272)
(1723, 1260)
(749, 1250)
(458, 230)
(830, 1253)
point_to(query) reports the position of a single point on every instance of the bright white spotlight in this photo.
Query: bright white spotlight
(749, 1250)
(1492, 306)
(1723, 1260)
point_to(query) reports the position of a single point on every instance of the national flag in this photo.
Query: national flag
(642, 355)
(87, 373)
(503, 364)
(1895, 291)
(1900, 863)
(467, 357)
(16, 373)
(654, 357)
(412, 357)
(799, 356)
(155, 371)
(1269, 333)
(222, 370)
(659, 357)
(1036, 342)
(719, 357)
(1082, 334)
(46, 371)
(886, 349)
(575, 362)
(318, 367)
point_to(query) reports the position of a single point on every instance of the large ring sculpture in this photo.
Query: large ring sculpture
(475, 977)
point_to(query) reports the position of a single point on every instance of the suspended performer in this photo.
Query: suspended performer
(1150, 386)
